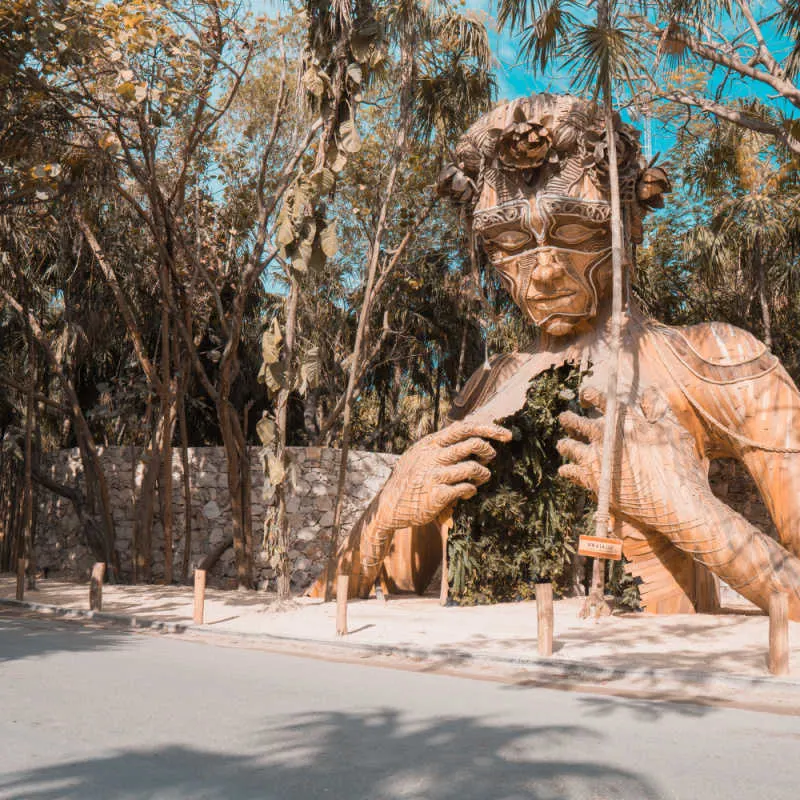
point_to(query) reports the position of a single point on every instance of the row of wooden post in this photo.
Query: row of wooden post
(778, 623)
(778, 661)
(96, 588)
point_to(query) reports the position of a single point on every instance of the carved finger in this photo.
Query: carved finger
(479, 448)
(459, 431)
(447, 495)
(592, 397)
(577, 452)
(576, 425)
(578, 475)
(465, 471)
(653, 404)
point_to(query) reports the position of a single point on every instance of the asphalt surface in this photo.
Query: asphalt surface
(93, 711)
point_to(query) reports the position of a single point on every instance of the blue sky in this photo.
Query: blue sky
(515, 79)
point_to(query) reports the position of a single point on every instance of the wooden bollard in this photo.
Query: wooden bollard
(96, 586)
(544, 615)
(199, 596)
(22, 565)
(445, 523)
(779, 633)
(342, 588)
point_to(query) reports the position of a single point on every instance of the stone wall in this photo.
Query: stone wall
(310, 504)
(732, 483)
(310, 507)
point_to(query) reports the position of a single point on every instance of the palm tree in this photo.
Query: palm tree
(601, 55)
(754, 212)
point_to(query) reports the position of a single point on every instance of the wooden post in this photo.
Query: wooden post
(445, 523)
(342, 588)
(22, 565)
(544, 614)
(96, 587)
(779, 633)
(199, 596)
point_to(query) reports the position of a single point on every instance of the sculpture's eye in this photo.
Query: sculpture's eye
(576, 234)
(510, 240)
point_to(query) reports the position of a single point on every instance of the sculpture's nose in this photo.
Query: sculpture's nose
(545, 272)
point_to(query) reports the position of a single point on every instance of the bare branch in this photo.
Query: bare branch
(127, 313)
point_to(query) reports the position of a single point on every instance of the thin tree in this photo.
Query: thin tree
(600, 55)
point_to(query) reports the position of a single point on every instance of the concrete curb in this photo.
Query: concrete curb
(540, 669)
(120, 619)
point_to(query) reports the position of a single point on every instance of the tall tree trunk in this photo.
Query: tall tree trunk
(355, 363)
(406, 72)
(610, 431)
(310, 414)
(187, 487)
(462, 350)
(281, 544)
(761, 279)
(29, 414)
(165, 476)
(238, 464)
(437, 393)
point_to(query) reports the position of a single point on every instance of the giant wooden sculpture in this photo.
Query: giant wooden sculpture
(532, 176)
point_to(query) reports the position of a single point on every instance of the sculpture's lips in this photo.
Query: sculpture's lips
(544, 298)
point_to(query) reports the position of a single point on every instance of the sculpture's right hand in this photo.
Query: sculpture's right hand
(435, 472)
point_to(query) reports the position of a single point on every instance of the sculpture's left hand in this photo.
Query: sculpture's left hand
(659, 479)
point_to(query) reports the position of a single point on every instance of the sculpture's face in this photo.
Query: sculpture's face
(553, 254)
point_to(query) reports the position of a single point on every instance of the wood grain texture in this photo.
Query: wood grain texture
(342, 588)
(22, 565)
(198, 615)
(544, 619)
(96, 586)
(533, 177)
(778, 659)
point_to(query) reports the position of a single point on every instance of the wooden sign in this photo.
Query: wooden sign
(600, 547)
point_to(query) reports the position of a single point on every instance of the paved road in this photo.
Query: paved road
(104, 713)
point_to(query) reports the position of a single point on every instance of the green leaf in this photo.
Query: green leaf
(323, 180)
(335, 158)
(285, 232)
(349, 140)
(362, 39)
(355, 74)
(310, 370)
(275, 471)
(328, 240)
(266, 430)
(271, 343)
(317, 258)
(127, 91)
(313, 82)
(274, 377)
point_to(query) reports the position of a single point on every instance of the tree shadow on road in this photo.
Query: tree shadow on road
(377, 755)
(23, 635)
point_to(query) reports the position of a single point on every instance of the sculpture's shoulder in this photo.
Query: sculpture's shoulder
(722, 343)
(717, 351)
(484, 382)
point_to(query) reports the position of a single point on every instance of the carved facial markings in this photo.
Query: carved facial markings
(559, 280)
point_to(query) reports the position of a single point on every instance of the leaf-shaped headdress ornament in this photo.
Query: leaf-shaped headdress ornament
(553, 143)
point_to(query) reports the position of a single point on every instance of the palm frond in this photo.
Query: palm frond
(603, 54)
(465, 33)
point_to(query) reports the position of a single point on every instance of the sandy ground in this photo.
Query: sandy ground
(733, 643)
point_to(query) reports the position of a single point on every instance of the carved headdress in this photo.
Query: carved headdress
(554, 144)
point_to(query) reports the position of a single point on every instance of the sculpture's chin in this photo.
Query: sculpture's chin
(564, 326)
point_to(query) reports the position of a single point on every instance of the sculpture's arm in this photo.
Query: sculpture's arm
(661, 482)
(769, 408)
(431, 476)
